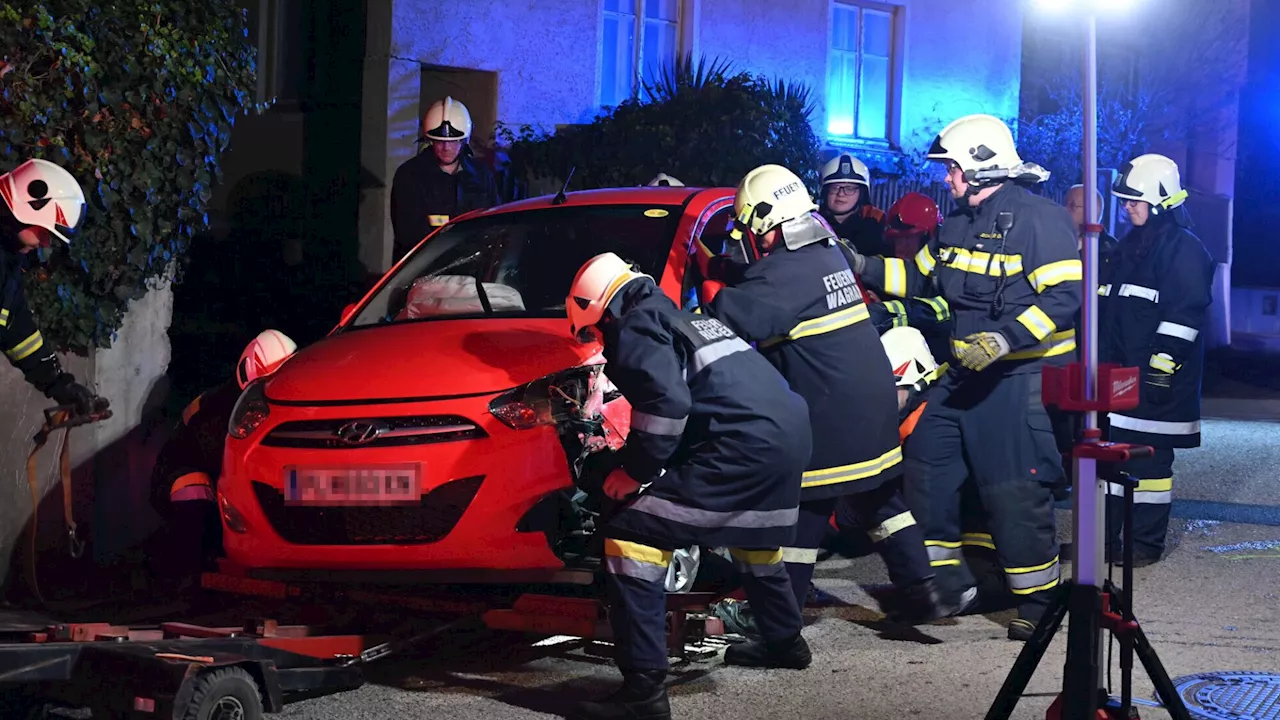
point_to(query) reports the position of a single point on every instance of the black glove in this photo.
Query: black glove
(66, 391)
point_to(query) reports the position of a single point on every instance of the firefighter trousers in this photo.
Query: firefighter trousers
(636, 570)
(992, 430)
(1152, 501)
(890, 526)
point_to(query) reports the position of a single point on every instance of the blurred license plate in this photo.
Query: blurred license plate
(386, 485)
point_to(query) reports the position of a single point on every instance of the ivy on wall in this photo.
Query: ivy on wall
(137, 100)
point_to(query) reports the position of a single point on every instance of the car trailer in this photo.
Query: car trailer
(188, 671)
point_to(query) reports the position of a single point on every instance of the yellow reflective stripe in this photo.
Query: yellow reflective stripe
(1037, 322)
(941, 310)
(1033, 568)
(1046, 276)
(1058, 343)
(437, 220)
(925, 261)
(4, 317)
(898, 311)
(887, 528)
(1156, 485)
(829, 322)
(895, 277)
(982, 263)
(760, 557)
(982, 540)
(942, 553)
(849, 473)
(1027, 580)
(1163, 364)
(637, 552)
(32, 343)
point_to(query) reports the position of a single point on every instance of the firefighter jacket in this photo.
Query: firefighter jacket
(424, 197)
(1010, 266)
(863, 229)
(20, 339)
(730, 435)
(196, 444)
(1153, 300)
(804, 311)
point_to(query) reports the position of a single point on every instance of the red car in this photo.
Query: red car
(441, 426)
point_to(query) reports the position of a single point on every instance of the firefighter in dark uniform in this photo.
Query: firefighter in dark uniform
(1153, 301)
(435, 186)
(185, 478)
(797, 299)
(1006, 262)
(41, 201)
(716, 449)
(846, 205)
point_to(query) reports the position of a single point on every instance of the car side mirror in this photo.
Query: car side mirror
(347, 312)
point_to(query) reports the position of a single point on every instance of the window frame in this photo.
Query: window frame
(684, 43)
(893, 99)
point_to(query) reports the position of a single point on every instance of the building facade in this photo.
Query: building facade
(887, 74)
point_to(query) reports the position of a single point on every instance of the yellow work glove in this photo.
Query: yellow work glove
(982, 349)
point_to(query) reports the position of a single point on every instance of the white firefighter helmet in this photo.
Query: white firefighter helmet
(769, 196)
(44, 195)
(1151, 178)
(909, 355)
(976, 143)
(594, 287)
(447, 119)
(263, 356)
(665, 180)
(846, 169)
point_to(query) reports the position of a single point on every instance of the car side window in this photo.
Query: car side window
(715, 235)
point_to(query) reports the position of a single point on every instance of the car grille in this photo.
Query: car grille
(372, 432)
(429, 521)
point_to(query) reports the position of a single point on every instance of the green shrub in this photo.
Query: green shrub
(137, 100)
(705, 124)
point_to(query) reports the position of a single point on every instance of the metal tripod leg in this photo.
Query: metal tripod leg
(1169, 696)
(1031, 655)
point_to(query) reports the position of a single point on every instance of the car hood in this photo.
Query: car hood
(420, 360)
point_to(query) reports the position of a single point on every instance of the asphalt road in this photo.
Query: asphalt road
(1212, 605)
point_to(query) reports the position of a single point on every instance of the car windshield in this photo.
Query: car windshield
(518, 264)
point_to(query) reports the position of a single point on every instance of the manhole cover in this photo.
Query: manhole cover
(1231, 695)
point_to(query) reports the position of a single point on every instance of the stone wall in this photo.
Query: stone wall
(111, 460)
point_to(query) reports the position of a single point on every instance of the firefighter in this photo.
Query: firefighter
(1007, 264)
(184, 481)
(1152, 309)
(435, 186)
(41, 201)
(797, 299)
(846, 205)
(714, 456)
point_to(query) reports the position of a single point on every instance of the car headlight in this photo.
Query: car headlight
(548, 400)
(251, 410)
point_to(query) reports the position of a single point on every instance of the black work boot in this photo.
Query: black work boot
(918, 603)
(791, 653)
(641, 697)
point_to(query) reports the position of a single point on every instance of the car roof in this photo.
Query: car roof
(609, 196)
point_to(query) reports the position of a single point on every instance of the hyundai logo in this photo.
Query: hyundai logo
(358, 433)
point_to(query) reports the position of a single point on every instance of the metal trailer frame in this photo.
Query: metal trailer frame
(178, 669)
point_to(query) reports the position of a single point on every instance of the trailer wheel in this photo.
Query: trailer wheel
(225, 694)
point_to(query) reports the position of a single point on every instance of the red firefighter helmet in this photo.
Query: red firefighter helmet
(913, 214)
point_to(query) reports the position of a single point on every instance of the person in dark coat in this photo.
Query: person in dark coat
(1152, 307)
(713, 458)
(846, 206)
(433, 187)
(41, 201)
(798, 300)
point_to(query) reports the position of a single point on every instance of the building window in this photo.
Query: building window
(641, 37)
(860, 70)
